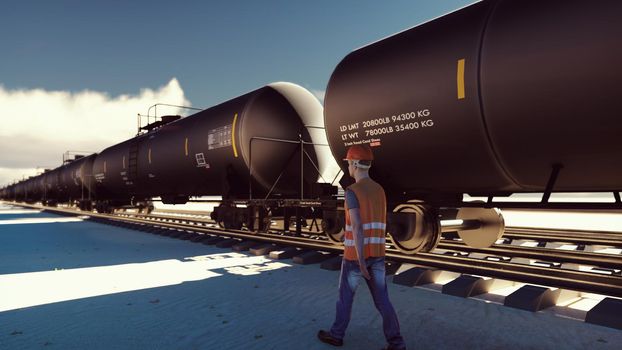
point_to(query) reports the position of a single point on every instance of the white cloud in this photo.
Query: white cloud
(7, 175)
(38, 126)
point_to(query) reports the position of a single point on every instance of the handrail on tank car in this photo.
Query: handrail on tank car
(155, 106)
(69, 153)
(155, 113)
(340, 171)
(332, 183)
(302, 153)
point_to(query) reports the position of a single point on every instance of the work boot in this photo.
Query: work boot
(327, 338)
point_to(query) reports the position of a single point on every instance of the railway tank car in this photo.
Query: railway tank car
(21, 193)
(51, 193)
(500, 97)
(76, 183)
(42, 189)
(258, 144)
(71, 183)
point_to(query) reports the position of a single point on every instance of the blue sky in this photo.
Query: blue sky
(217, 50)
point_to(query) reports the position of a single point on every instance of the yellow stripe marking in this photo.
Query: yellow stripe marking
(149, 155)
(104, 166)
(235, 150)
(460, 79)
(186, 147)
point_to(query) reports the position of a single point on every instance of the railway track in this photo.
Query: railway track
(539, 234)
(554, 257)
(498, 261)
(541, 254)
(566, 236)
(579, 238)
(608, 284)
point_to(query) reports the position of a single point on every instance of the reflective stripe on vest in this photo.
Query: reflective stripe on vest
(366, 240)
(372, 209)
(370, 226)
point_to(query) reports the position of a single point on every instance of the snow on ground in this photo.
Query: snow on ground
(82, 285)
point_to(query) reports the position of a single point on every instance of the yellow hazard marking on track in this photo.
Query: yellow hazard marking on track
(149, 155)
(235, 150)
(460, 79)
(186, 147)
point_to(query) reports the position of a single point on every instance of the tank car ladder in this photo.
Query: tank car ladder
(132, 162)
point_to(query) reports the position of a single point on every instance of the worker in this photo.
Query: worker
(364, 251)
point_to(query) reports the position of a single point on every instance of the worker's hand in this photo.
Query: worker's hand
(364, 271)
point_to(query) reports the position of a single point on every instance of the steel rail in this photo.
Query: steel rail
(516, 229)
(546, 254)
(555, 277)
(155, 218)
(570, 237)
(559, 278)
(540, 235)
(562, 235)
(549, 255)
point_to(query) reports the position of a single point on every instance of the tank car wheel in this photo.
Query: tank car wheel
(333, 225)
(335, 237)
(491, 228)
(233, 224)
(264, 225)
(420, 231)
(228, 217)
(266, 222)
(104, 208)
(258, 219)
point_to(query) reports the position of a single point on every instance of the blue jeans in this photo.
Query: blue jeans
(349, 281)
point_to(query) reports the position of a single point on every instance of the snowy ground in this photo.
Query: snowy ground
(72, 284)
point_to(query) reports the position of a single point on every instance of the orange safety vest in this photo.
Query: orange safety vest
(373, 209)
